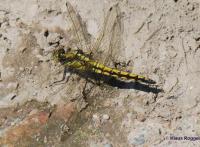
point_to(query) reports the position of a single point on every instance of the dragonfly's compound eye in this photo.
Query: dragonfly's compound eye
(61, 51)
(58, 53)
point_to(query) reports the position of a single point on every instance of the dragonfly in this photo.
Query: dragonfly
(93, 58)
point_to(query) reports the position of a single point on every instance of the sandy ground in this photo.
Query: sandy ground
(159, 38)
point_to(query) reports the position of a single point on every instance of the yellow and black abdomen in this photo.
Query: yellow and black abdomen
(113, 72)
(100, 68)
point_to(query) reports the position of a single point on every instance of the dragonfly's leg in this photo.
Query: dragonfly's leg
(73, 64)
(87, 89)
(63, 77)
(84, 93)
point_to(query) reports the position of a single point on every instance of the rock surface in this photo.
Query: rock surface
(159, 39)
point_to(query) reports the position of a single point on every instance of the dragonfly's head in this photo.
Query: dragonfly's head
(58, 54)
(62, 55)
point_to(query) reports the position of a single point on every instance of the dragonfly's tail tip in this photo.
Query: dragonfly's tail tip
(147, 80)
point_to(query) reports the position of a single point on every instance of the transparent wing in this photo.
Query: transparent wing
(107, 46)
(81, 36)
(115, 49)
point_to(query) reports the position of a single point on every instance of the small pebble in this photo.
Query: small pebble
(21, 68)
(105, 117)
(137, 140)
(45, 139)
(13, 85)
(34, 93)
(11, 96)
(95, 117)
(108, 145)
(96, 120)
